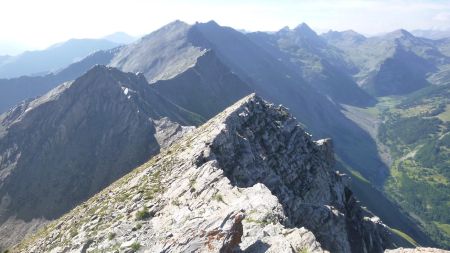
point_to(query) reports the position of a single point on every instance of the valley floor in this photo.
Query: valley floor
(412, 135)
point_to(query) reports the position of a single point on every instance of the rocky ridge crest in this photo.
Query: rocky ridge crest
(248, 180)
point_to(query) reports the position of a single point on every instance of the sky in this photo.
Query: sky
(36, 24)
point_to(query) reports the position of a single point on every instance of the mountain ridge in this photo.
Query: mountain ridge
(210, 174)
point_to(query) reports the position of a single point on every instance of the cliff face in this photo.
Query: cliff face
(250, 180)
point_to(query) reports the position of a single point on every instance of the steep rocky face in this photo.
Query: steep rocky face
(395, 77)
(187, 73)
(160, 55)
(206, 88)
(248, 180)
(67, 145)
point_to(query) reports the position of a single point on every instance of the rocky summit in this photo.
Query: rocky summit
(249, 180)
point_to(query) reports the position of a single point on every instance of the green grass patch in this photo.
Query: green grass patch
(404, 236)
(111, 236)
(443, 227)
(135, 246)
(142, 214)
(218, 197)
(358, 175)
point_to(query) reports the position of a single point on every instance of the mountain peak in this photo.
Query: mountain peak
(172, 27)
(305, 29)
(212, 23)
(349, 36)
(400, 33)
(177, 22)
(102, 77)
(353, 33)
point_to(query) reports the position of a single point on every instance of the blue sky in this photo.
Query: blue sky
(37, 24)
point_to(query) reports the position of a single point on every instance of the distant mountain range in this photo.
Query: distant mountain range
(52, 59)
(393, 64)
(58, 56)
(106, 120)
(432, 34)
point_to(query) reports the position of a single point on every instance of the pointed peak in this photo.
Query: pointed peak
(304, 30)
(177, 22)
(303, 27)
(285, 29)
(400, 33)
(249, 99)
(105, 77)
(250, 105)
(176, 25)
(101, 69)
(352, 33)
(212, 23)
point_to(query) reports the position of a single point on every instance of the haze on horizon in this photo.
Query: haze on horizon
(32, 24)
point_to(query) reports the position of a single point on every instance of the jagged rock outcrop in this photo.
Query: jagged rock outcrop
(60, 149)
(248, 180)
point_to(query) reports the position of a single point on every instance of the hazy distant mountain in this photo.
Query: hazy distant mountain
(432, 34)
(343, 39)
(444, 46)
(395, 63)
(4, 58)
(120, 38)
(322, 65)
(14, 90)
(52, 59)
(67, 145)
